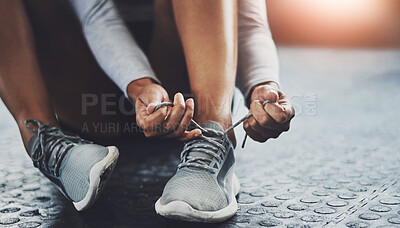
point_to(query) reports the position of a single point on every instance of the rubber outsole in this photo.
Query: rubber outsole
(99, 175)
(179, 210)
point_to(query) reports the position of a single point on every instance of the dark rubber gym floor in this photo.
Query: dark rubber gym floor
(338, 166)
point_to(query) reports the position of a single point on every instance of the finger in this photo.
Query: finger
(169, 108)
(144, 112)
(154, 121)
(150, 108)
(141, 119)
(253, 134)
(189, 135)
(154, 98)
(187, 117)
(261, 116)
(271, 134)
(141, 113)
(141, 109)
(287, 105)
(256, 126)
(281, 113)
(185, 136)
(265, 93)
(262, 136)
(175, 116)
(268, 132)
(181, 133)
(270, 94)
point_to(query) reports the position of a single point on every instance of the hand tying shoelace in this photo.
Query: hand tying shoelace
(204, 182)
(207, 130)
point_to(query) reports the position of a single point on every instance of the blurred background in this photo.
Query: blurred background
(347, 23)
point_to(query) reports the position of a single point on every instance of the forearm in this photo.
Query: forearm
(257, 59)
(111, 43)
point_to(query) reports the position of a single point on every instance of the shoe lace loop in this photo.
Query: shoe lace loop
(53, 146)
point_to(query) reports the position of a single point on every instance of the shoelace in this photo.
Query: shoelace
(207, 144)
(53, 142)
(207, 130)
(204, 144)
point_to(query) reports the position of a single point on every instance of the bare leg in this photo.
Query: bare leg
(21, 85)
(166, 53)
(208, 31)
(208, 36)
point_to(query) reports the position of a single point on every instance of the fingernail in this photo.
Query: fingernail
(197, 134)
(149, 106)
(191, 103)
(273, 91)
(178, 95)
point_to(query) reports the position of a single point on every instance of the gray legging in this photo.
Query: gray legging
(121, 58)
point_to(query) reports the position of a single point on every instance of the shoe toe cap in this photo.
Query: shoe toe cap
(75, 170)
(199, 189)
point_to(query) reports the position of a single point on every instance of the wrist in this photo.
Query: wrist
(269, 84)
(135, 87)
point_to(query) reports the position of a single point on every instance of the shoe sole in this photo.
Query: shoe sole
(180, 210)
(99, 175)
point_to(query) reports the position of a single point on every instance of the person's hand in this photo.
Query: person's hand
(272, 119)
(166, 122)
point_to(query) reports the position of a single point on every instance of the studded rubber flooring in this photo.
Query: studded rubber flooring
(339, 165)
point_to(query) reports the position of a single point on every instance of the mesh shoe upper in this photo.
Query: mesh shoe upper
(64, 158)
(76, 169)
(193, 187)
(204, 174)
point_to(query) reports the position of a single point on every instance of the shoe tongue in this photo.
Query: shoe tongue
(212, 125)
(207, 125)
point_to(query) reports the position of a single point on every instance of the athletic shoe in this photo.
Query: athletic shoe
(78, 168)
(204, 186)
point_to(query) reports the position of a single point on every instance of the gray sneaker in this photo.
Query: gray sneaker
(204, 186)
(78, 168)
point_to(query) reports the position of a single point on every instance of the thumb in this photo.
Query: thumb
(152, 99)
(150, 108)
(269, 94)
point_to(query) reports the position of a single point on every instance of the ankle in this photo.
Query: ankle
(51, 121)
(232, 137)
(224, 122)
(27, 134)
